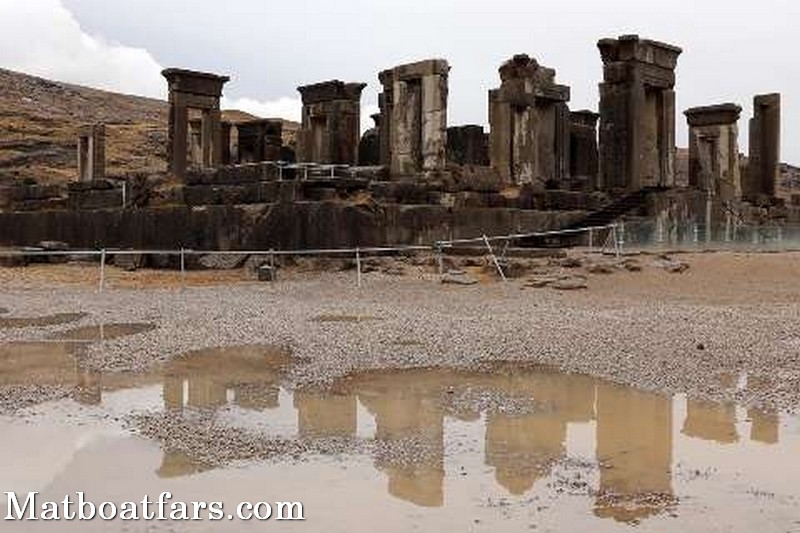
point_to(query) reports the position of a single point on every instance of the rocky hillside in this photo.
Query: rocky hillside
(39, 120)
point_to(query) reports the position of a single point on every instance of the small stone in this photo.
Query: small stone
(600, 268)
(540, 282)
(571, 262)
(267, 273)
(458, 279)
(572, 284)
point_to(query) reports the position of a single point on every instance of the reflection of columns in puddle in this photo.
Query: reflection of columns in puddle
(197, 391)
(205, 392)
(177, 464)
(325, 415)
(256, 396)
(765, 426)
(711, 421)
(173, 392)
(89, 390)
(523, 448)
(408, 421)
(634, 449)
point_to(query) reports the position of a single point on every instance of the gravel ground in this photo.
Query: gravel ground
(696, 332)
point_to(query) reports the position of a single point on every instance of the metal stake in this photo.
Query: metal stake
(102, 283)
(494, 258)
(183, 270)
(358, 266)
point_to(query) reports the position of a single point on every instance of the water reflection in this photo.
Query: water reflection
(634, 450)
(518, 420)
(8, 322)
(711, 421)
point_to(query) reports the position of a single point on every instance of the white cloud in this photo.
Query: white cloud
(41, 37)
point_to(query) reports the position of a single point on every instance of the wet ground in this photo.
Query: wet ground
(503, 448)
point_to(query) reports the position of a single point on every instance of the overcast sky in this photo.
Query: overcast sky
(733, 49)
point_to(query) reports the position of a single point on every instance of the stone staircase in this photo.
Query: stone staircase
(603, 217)
(616, 209)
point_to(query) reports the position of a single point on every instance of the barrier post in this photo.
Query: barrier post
(494, 258)
(615, 237)
(183, 270)
(439, 258)
(591, 239)
(358, 267)
(102, 282)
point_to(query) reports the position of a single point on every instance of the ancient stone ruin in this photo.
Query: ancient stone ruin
(583, 157)
(468, 145)
(369, 148)
(91, 152)
(714, 150)
(765, 149)
(414, 117)
(199, 92)
(411, 179)
(259, 140)
(637, 113)
(331, 123)
(529, 121)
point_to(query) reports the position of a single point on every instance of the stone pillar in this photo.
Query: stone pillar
(637, 113)
(198, 91)
(260, 140)
(529, 121)
(763, 166)
(714, 150)
(583, 155)
(225, 143)
(414, 117)
(331, 127)
(92, 152)
(369, 148)
(468, 145)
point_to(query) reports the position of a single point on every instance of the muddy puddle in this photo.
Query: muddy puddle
(7, 322)
(57, 360)
(506, 449)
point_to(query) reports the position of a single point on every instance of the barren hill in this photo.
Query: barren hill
(39, 119)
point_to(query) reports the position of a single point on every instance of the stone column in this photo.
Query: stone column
(92, 152)
(178, 135)
(331, 128)
(763, 166)
(199, 91)
(583, 156)
(714, 150)
(637, 113)
(414, 117)
(529, 121)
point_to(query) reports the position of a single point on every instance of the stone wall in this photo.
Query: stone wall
(286, 225)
